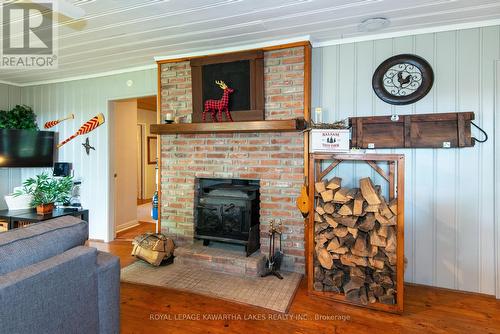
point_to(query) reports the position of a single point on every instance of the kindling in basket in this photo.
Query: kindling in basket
(152, 248)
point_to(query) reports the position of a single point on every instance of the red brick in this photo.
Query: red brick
(292, 60)
(279, 54)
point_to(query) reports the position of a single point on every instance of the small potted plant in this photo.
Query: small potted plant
(46, 191)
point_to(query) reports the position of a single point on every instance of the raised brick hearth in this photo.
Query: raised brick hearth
(276, 159)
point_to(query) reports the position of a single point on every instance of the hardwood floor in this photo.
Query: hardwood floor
(143, 201)
(147, 309)
(132, 232)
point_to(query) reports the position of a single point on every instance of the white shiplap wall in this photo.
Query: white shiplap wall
(449, 216)
(86, 98)
(9, 177)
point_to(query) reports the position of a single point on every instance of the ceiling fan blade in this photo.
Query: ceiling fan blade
(65, 8)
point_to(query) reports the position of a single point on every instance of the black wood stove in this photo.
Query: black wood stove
(227, 210)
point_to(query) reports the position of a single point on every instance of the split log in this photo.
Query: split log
(317, 218)
(375, 263)
(363, 296)
(318, 227)
(341, 196)
(372, 208)
(391, 257)
(357, 272)
(319, 209)
(393, 206)
(349, 221)
(319, 274)
(334, 183)
(383, 230)
(360, 246)
(368, 191)
(330, 221)
(353, 231)
(328, 280)
(318, 286)
(377, 240)
(328, 234)
(353, 260)
(387, 299)
(320, 240)
(383, 279)
(333, 244)
(320, 187)
(355, 283)
(359, 200)
(329, 288)
(384, 209)
(346, 209)
(373, 251)
(384, 221)
(340, 231)
(371, 297)
(327, 195)
(352, 296)
(347, 241)
(368, 223)
(338, 278)
(329, 208)
(391, 241)
(377, 289)
(324, 258)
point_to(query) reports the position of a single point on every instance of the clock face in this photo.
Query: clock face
(402, 79)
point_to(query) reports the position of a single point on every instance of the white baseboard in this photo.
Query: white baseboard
(127, 225)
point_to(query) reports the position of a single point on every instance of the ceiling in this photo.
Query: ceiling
(115, 35)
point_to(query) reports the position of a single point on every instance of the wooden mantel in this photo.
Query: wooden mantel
(287, 125)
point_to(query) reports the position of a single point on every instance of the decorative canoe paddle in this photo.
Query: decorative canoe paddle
(85, 128)
(303, 201)
(50, 124)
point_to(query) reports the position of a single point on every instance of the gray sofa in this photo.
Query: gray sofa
(51, 283)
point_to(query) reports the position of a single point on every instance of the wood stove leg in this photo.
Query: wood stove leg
(206, 242)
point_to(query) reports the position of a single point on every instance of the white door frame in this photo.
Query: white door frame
(496, 168)
(111, 230)
(142, 149)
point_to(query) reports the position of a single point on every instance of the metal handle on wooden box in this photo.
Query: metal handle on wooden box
(484, 133)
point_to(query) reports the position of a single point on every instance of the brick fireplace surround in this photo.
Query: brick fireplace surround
(276, 159)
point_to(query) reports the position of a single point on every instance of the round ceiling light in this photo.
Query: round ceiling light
(373, 24)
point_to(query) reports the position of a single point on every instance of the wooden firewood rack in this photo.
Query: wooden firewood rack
(395, 179)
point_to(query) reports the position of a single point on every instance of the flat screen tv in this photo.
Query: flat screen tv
(27, 148)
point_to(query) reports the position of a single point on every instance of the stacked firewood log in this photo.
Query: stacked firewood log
(355, 242)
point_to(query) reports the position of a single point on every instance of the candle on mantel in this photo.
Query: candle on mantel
(318, 115)
(168, 116)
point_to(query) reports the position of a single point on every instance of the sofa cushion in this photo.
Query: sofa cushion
(57, 295)
(108, 291)
(25, 246)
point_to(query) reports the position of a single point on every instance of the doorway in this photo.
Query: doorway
(134, 175)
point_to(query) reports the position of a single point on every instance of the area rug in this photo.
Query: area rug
(267, 292)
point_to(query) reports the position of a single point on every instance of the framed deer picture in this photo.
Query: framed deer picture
(228, 87)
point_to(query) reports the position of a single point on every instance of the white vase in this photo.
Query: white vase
(18, 202)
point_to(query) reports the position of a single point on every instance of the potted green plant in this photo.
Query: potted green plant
(46, 191)
(20, 117)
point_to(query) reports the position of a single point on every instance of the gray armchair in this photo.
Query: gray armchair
(51, 283)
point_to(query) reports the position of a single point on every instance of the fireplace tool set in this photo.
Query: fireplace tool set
(275, 258)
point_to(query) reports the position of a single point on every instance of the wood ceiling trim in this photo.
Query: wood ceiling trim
(268, 48)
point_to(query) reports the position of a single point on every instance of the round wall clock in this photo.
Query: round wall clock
(403, 79)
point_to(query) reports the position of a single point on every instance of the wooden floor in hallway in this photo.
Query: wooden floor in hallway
(146, 309)
(132, 232)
